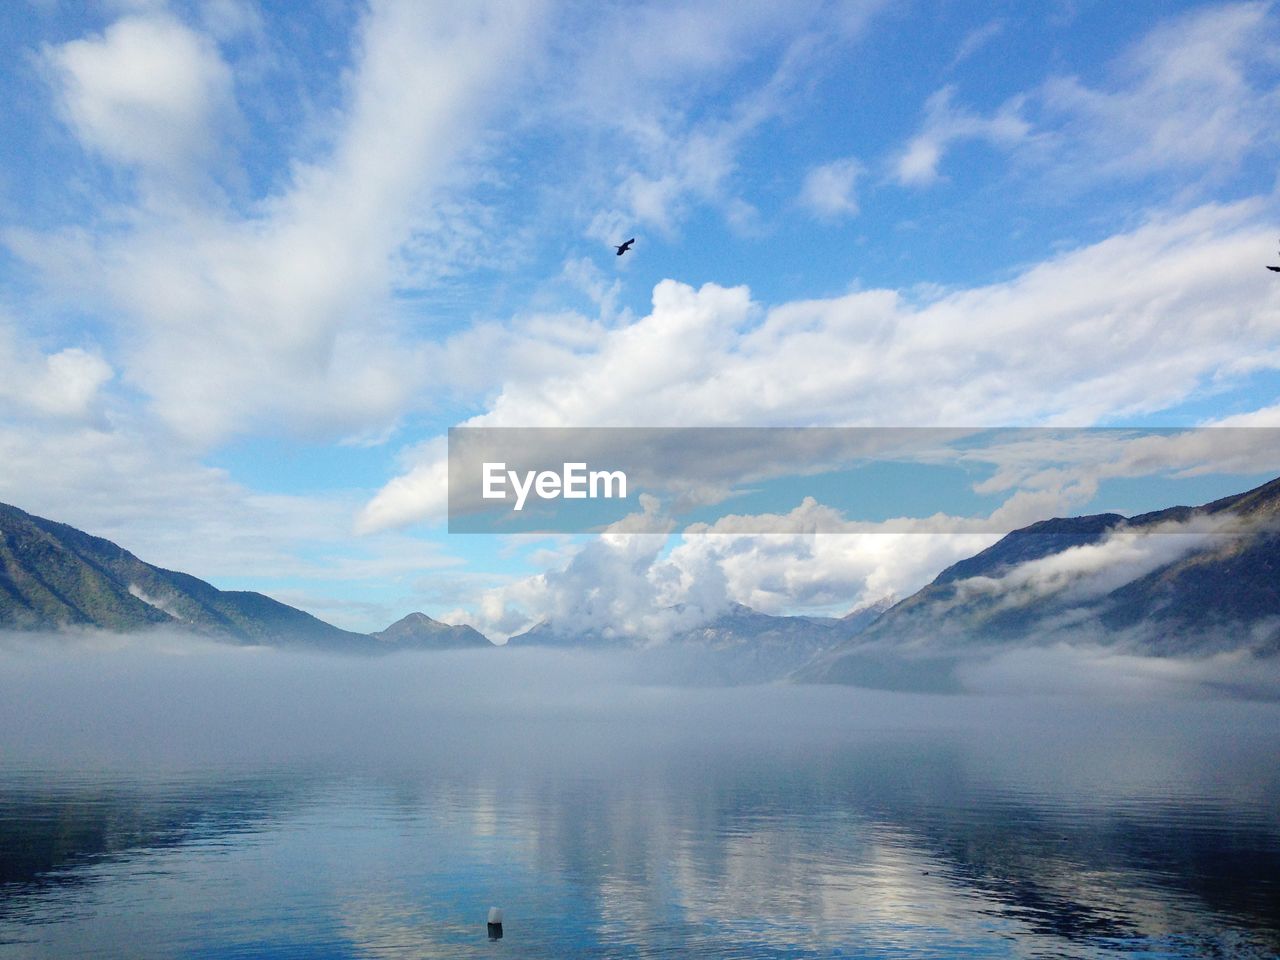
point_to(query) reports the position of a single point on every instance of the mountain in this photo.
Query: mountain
(548, 634)
(740, 645)
(862, 616)
(53, 576)
(420, 632)
(1186, 581)
(745, 646)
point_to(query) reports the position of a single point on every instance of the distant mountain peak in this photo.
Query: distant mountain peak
(871, 608)
(419, 631)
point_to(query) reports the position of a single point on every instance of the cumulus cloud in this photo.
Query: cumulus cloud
(68, 383)
(784, 573)
(65, 384)
(642, 587)
(1126, 326)
(149, 91)
(646, 587)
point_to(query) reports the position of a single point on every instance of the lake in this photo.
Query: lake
(221, 804)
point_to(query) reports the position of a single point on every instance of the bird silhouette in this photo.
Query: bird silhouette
(624, 247)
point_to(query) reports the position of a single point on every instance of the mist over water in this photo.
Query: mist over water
(187, 799)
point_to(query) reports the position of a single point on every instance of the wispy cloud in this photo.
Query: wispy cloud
(1081, 574)
(976, 39)
(671, 158)
(830, 189)
(1188, 97)
(280, 315)
(947, 123)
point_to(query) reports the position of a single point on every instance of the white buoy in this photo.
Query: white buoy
(495, 923)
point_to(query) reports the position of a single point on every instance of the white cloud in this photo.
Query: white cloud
(1082, 668)
(1196, 94)
(780, 573)
(946, 123)
(919, 162)
(697, 167)
(1083, 573)
(280, 318)
(422, 491)
(64, 384)
(635, 87)
(146, 494)
(976, 39)
(1072, 466)
(228, 19)
(149, 91)
(1130, 325)
(622, 584)
(1186, 97)
(69, 382)
(628, 585)
(829, 190)
(674, 165)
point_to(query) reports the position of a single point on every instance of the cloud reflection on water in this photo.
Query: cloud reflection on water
(378, 808)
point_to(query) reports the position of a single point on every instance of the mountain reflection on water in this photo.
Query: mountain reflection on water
(787, 822)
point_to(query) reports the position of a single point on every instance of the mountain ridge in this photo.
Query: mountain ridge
(1205, 580)
(1210, 586)
(739, 645)
(54, 576)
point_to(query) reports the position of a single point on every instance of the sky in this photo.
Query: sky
(257, 258)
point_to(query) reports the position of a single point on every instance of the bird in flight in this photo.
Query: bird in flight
(624, 247)
(1269, 267)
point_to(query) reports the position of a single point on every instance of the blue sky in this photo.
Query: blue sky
(256, 261)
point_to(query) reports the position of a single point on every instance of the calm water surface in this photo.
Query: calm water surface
(768, 823)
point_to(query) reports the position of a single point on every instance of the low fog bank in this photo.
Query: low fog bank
(168, 699)
(1104, 671)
